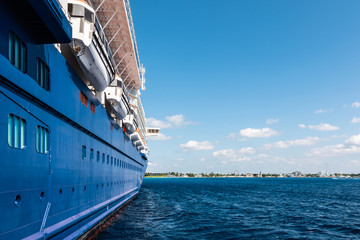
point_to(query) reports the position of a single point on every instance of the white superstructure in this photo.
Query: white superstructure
(104, 44)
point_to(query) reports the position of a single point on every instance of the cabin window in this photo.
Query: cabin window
(17, 52)
(103, 158)
(89, 16)
(111, 160)
(84, 152)
(91, 154)
(76, 10)
(43, 74)
(97, 156)
(16, 131)
(108, 159)
(42, 140)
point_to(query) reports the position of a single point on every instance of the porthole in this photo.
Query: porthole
(60, 191)
(73, 189)
(97, 186)
(102, 185)
(84, 188)
(42, 196)
(17, 201)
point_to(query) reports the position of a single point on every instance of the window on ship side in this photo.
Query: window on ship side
(17, 52)
(91, 154)
(42, 74)
(83, 152)
(42, 139)
(16, 131)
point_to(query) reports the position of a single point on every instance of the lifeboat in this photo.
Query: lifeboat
(87, 47)
(138, 143)
(129, 124)
(135, 137)
(117, 100)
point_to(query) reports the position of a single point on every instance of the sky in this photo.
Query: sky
(251, 85)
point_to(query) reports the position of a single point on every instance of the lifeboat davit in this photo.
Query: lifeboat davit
(87, 49)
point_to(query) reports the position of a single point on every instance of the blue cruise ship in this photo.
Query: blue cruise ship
(73, 132)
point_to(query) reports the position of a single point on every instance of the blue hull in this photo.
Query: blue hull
(64, 192)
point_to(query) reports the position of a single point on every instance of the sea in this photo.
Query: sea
(239, 208)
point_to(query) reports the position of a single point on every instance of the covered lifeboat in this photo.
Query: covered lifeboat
(129, 123)
(90, 52)
(116, 98)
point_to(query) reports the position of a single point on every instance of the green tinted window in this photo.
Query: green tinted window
(17, 52)
(83, 152)
(16, 131)
(42, 139)
(91, 154)
(42, 74)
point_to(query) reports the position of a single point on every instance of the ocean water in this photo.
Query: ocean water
(239, 208)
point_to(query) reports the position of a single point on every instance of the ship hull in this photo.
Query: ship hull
(59, 194)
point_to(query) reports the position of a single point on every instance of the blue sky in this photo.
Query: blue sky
(258, 85)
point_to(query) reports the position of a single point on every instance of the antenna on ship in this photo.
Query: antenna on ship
(142, 74)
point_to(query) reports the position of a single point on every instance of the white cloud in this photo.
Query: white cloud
(202, 159)
(232, 136)
(230, 154)
(247, 150)
(354, 140)
(355, 120)
(272, 120)
(356, 104)
(334, 150)
(262, 155)
(241, 159)
(322, 111)
(296, 142)
(225, 153)
(258, 132)
(174, 121)
(160, 137)
(323, 127)
(320, 127)
(197, 146)
(352, 145)
(152, 122)
(180, 159)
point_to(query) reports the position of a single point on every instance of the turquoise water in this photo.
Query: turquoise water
(240, 208)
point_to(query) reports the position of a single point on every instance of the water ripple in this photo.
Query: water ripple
(233, 208)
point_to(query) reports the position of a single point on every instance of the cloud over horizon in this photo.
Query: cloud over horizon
(174, 121)
(160, 137)
(193, 145)
(320, 127)
(258, 132)
(272, 120)
(296, 142)
(351, 146)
